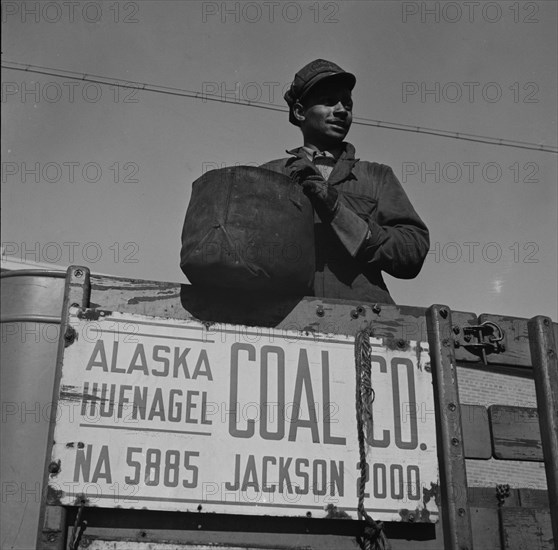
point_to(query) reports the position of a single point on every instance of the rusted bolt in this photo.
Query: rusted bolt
(411, 517)
(461, 512)
(354, 314)
(446, 342)
(320, 311)
(551, 352)
(376, 308)
(452, 407)
(456, 329)
(401, 343)
(444, 312)
(308, 514)
(454, 441)
(467, 337)
(427, 367)
(78, 273)
(200, 507)
(54, 467)
(456, 343)
(360, 310)
(546, 322)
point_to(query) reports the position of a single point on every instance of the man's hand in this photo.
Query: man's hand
(324, 197)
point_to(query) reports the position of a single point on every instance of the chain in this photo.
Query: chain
(78, 528)
(373, 537)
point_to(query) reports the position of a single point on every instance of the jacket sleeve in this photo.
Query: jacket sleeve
(395, 240)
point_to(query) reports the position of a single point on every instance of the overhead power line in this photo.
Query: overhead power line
(362, 121)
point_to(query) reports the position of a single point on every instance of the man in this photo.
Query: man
(364, 222)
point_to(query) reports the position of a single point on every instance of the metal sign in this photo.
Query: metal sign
(169, 414)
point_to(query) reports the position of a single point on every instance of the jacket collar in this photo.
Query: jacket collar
(343, 167)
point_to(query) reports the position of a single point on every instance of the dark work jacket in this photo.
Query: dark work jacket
(375, 230)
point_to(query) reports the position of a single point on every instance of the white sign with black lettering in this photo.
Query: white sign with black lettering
(173, 415)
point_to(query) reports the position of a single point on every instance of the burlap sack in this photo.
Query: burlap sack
(249, 228)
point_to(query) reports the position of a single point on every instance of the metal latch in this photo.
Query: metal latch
(489, 336)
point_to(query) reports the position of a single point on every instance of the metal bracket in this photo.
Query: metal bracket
(456, 518)
(489, 336)
(76, 294)
(545, 370)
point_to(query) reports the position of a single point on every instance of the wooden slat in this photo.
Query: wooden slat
(485, 497)
(220, 531)
(183, 301)
(293, 313)
(476, 431)
(526, 529)
(216, 540)
(516, 433)
(486, 533)
(533, 498)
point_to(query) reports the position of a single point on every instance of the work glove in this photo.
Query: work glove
(323, 196)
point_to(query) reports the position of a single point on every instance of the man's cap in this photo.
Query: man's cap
(305, 79)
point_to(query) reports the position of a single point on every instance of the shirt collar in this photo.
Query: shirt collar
(348, 152)
(312, 154)
(343, 167)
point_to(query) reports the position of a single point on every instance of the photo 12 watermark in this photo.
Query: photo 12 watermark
(488, 252)
(244, 92)
(469, 92)
(71, 12)
(71, 252)
(68, 91)
(270, 12)
(469, 172)
(69, 172)
(469, 12)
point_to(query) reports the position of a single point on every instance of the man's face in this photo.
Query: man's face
(327, 112)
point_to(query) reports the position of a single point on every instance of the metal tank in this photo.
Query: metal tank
(31, 308)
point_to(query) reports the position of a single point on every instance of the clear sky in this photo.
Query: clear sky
(101, 176)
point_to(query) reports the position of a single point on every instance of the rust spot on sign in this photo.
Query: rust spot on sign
(54, 467)
(418, 350)
(415, 516)
(93, 314)
(81, 499)
(54, 496)
(138, 299)
(397, 344)
(432, 493)
(70, 393)
(335, 513)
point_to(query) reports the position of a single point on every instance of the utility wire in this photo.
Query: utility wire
(362, 121)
